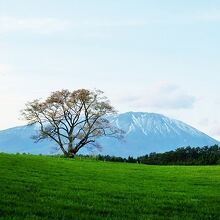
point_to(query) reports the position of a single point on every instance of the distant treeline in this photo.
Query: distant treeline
(184, 156)
(181, 156)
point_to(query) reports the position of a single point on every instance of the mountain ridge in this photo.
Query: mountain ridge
(144, 133)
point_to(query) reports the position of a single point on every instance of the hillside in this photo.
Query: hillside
(41, 187)
(144, 133)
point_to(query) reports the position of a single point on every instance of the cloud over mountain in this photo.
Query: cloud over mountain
(163, 95)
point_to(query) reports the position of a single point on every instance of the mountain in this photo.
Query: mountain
(151, 132)
(144, 133)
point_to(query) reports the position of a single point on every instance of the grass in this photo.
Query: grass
(41, 187)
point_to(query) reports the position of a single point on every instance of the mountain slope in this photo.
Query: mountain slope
(144, 133)
(150, 132)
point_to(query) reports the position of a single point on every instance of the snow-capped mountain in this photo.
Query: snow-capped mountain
(151, 132)
(144, 133)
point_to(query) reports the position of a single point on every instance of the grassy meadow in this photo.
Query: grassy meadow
(41, 187)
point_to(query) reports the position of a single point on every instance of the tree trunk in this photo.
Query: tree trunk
(71, 150)
(71, 155)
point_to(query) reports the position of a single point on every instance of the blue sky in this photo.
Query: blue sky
(155, 56)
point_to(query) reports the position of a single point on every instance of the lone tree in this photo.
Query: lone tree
(72, 119)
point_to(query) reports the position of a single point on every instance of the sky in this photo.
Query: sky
(146, 55)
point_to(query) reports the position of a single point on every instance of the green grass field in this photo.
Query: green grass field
(40, 187)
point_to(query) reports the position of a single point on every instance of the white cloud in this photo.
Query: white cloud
(208, 16)
(163, 95)
(111, 23)
(40, 25)
(204, 122)
(188, 18)
(215, 131)
(212, 126)
(4, 69)
(11, 104)
(46, 25)
(10, 24)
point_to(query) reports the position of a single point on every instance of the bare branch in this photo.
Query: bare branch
(72, 119)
